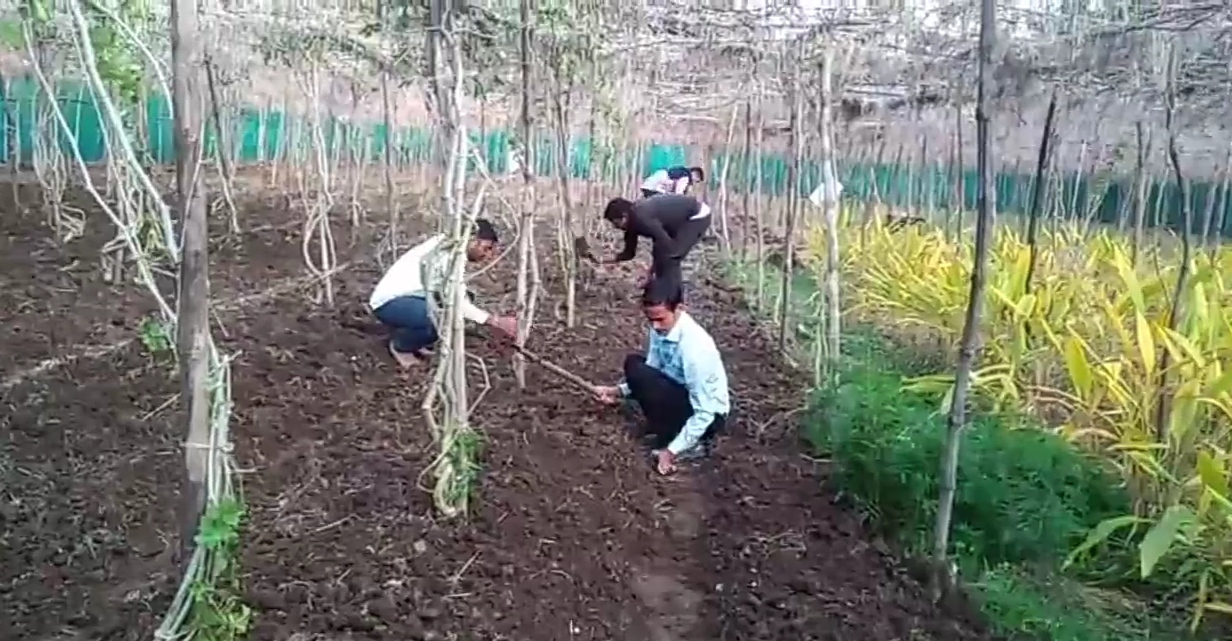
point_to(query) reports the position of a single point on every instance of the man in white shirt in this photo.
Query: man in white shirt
(680, 383)
(400, 301)
(673, 180)
(822, 195)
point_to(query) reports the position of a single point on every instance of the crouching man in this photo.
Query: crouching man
(673, 180)
(679, 384)
(400, 301)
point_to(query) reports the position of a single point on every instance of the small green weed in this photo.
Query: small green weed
(219, 612)
(156, 336)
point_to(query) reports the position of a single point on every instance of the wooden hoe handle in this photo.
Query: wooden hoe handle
(572, 378)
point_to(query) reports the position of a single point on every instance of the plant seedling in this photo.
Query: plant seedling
(157, 337)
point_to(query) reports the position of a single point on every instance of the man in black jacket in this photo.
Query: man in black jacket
(673, 222)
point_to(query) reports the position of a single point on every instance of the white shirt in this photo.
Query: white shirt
(820, 197)
(422, 269)
(659, 181)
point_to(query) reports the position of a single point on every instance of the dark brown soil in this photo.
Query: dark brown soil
(53, 296)
(90, 456)
(572, 535)
(89, 463)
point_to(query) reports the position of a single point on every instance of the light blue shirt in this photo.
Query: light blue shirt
(687, 354)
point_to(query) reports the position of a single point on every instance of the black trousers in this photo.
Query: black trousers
(663, 401)
(671, 269)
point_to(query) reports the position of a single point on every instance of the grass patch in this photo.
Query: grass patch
(1038, 606)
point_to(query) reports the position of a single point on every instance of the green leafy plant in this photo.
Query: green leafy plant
(1019, 604)
(1026, 495)
(156, 337)
(118, 60)
(1027, 498)
(219, 612)
(464, 456)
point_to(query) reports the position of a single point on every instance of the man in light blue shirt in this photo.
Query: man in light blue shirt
(680, 383)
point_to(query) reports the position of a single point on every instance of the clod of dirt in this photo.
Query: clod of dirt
(385, 609)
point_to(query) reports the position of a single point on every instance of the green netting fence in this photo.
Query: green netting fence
(263, 134)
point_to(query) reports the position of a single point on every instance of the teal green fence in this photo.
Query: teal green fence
(267, 134)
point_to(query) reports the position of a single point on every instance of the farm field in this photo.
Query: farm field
(572, 536)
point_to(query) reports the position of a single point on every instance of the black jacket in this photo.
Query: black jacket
(659, 218)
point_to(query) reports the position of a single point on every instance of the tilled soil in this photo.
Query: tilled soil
(90, 462)
(90, 439)
(90, 467)
(53, 296)
(572, 535)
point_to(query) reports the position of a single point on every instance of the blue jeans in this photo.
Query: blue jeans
(409, 322)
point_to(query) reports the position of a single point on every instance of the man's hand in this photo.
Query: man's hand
(665, 462)
(507, 325)
(607, 394)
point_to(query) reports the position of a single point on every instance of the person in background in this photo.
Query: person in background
(680, 383)
(673, 180)
(674, 223)
(399, 300)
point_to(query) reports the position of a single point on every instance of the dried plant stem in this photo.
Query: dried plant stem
(124, 146)
(445, 408)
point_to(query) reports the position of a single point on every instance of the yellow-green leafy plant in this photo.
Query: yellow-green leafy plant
(1086, 345)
